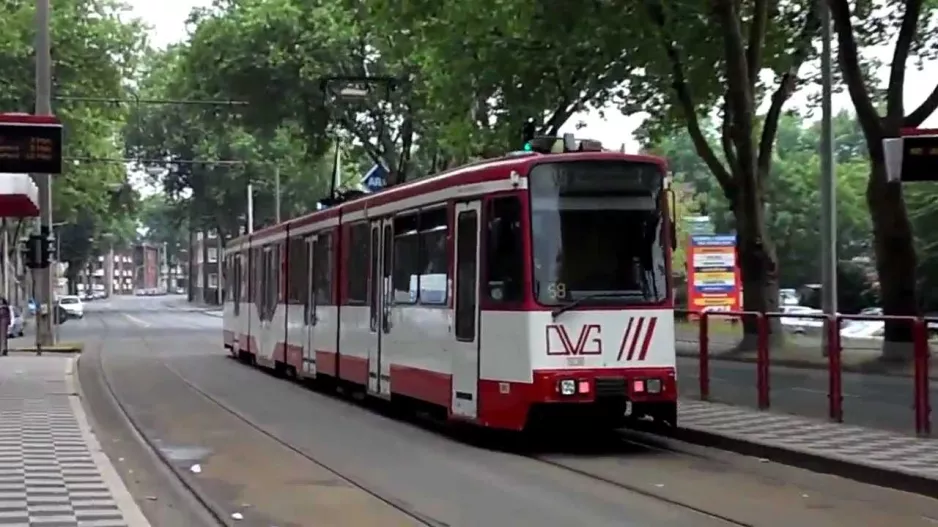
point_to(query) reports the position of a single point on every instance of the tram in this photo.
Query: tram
(533, 286)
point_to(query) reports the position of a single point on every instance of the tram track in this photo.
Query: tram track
(216, 511)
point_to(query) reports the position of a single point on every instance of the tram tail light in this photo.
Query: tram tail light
(638, 386)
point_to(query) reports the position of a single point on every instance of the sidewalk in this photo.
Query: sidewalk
(52, 469)
(877, 450)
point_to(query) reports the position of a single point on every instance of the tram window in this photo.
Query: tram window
(505, 256)
(298, 280)
(323, 269)
(466, 252)
(375, 280)
(357, 265)
(406, 270)
(433, 261)
(257, 296)
(247, 260)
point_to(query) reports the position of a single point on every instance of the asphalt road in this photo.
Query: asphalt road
(151, 348)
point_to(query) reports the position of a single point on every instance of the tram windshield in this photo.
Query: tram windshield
(597, 231)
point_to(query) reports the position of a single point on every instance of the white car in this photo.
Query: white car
(73, 306)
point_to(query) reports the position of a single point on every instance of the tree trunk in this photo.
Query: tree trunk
(758, 265)
(895, 259)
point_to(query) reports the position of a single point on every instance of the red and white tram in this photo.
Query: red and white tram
(496, 292)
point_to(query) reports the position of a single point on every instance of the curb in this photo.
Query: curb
(64, 350)
(126, 504)
(803, 364)
(872, 475)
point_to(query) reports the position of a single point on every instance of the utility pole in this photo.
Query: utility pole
(277, 193)
(828, 179)
(42, 278)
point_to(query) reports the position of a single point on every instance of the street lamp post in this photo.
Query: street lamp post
(353, 88)
(828, 180)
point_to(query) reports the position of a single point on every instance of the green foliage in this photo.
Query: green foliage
(209, 152)
(908, 28)
(94, 52)
(793, 198)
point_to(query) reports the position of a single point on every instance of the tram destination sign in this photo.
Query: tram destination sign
(30, 146)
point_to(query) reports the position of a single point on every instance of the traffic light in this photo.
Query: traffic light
(32, 252)
(527, 134)
(48, 250)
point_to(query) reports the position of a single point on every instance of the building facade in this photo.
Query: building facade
(205, 268)
(141, 269)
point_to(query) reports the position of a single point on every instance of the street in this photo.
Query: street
(277, 453)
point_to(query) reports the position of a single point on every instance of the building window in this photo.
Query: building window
(212, 255)
(213, 280)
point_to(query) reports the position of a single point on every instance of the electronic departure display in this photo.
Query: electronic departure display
(30, 148)
(920, 158)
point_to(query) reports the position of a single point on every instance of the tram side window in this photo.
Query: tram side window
(505, 256)
(433, 260)
(247, 260)
(356, 268)
(323, 269)
(467, 246)
(259, 267)
(406, 275)
(297, 279)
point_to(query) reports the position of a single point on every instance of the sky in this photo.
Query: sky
(167, 18)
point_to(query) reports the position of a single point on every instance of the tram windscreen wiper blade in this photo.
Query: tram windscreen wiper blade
(572, 304)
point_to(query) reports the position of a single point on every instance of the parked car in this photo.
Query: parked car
(72, 306)
(17, 323)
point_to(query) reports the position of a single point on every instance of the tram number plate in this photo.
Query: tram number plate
(575, 361)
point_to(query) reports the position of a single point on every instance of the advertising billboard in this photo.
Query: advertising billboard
(713, 279)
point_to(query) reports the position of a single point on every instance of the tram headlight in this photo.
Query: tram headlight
(567, 387)
(653, 385)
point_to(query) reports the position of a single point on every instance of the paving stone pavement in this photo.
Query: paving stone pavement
(854, 444)
(52, 470)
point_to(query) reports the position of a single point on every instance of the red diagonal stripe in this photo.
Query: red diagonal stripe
(638, 333)
(625, 339)
(648, 334)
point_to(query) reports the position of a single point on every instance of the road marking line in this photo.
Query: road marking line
(136, 320)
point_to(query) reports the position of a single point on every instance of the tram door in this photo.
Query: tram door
(465, 326)
(379, 372)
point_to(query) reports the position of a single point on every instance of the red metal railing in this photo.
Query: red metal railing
(833, 347)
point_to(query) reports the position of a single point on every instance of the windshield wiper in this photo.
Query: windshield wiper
(572, 304)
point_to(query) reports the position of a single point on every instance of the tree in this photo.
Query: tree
(210, 153)
(680, 82)
(893, 240)
(793, 207)
(94, 52)
(482, 69)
